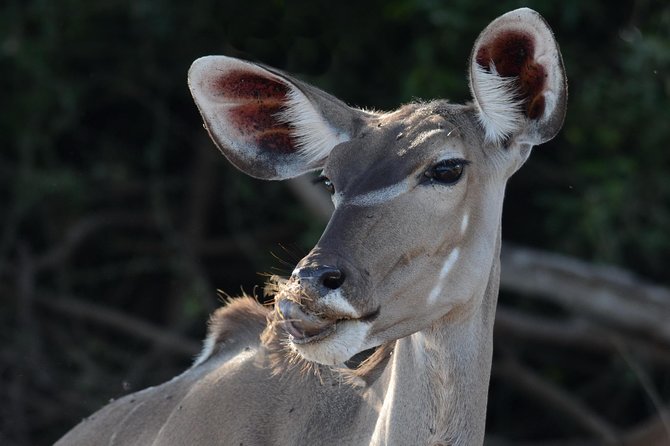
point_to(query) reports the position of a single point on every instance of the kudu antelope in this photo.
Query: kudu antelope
(408, 264)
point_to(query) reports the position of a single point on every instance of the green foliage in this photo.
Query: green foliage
(618, 209)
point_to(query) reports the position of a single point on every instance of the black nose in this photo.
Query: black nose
(321, 279)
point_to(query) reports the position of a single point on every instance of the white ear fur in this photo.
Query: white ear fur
(502, 115)
(314, 137)
(517, 79)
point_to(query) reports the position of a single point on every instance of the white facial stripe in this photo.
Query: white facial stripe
(464, 223)
(423, 137)
(449, 263)
(381, 195)
(337, 303)
(446, 267)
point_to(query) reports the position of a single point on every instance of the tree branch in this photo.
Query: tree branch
(653, 432)
(580, 334)
(608, 294)
(79, 232)
(122, 322)
(524, 379)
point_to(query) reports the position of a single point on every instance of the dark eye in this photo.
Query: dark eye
(326, 183)
(447, 171)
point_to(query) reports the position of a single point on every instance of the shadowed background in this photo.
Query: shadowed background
(119, 221)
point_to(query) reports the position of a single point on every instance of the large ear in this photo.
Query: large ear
(267, 124)
(517, 79)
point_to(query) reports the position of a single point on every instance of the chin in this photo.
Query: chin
(348, 338)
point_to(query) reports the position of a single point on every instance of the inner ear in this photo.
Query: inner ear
(265, 122)
(255, 106)
(517, 79)
(511, 54)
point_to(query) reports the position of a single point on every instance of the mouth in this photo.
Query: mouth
(299, 336)
(303, 327)
(306, 328)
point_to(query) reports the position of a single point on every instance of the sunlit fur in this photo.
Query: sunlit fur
(313, 136)
(497, 102)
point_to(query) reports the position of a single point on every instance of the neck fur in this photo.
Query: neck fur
(437, 380)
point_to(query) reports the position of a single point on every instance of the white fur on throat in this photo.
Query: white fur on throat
(497, 101)
(314, 137)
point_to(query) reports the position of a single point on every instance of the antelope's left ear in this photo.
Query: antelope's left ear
(517, 79)
(268, 124)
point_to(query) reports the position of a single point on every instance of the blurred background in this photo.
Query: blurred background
(121, 227)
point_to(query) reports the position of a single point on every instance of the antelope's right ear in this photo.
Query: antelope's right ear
(517, 79)
(267, 124)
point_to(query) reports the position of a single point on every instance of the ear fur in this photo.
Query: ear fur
(517, 79)
(267, 124)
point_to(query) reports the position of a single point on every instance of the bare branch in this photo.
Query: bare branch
(611, 295)
(494, 440)
(79, 232)
(653, 432)
(524, 379)
(122, 322)
(650, 390)
(579, 334)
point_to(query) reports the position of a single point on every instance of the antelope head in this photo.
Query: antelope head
(418, 192)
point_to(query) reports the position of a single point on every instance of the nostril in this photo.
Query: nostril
(332, 279)
(319, 280)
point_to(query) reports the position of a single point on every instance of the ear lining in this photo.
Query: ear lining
(238, 84)
(512, 55)
(517, 79)
(259, 122)
(259, 103)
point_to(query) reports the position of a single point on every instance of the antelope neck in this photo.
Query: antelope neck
(434, 389)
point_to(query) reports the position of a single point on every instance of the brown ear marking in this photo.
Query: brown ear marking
(513, 55)
(260, 100)
(243, 85)
(258, 121)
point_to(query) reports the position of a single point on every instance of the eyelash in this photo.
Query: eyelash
(447, 172)
(449, 166)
